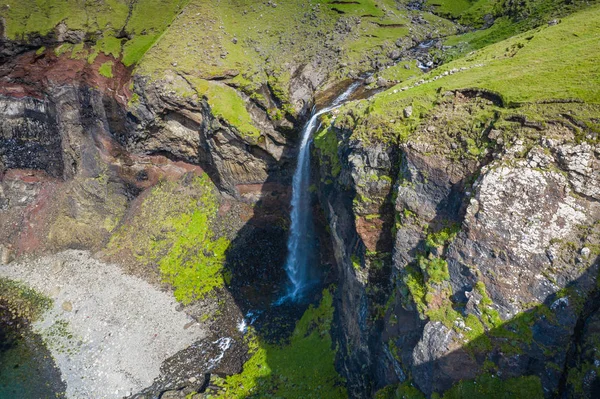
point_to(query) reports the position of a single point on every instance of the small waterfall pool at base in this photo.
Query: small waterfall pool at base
(300, 244)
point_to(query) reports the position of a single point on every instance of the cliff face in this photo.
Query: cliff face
(456, 207)
(464, 231)
(493, 257)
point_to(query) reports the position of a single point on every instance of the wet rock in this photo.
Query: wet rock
(29, 135)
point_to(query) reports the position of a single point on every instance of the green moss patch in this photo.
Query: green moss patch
(23, 301)
(489, 386)
(227, 104)
(106, 69)
(110, 46)
(173, 231)
(436, 269)
(326, 142)
(304, 368)
(442, 237)
(405, 390)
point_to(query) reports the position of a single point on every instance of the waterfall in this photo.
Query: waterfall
(299, 248)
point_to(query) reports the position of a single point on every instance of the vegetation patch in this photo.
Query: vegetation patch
(490, 386)
(227, 104)
(436, 269)
(106, 69)
(304, 368)
(173, 231)
(442, 237)
(507, 18)
(104, 21)
(405, 390)
(110, 45)
(534, 66)
(22, 301)
(326, 142)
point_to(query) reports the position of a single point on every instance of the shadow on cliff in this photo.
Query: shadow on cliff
(256, 257)
(506, 361)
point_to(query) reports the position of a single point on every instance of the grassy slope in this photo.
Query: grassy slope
(260, 44)
(102, 21)
(555, 62)
(509, 18)
(269, 38)
(549, 63)
(204, 39)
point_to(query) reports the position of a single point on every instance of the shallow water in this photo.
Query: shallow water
(27, 369)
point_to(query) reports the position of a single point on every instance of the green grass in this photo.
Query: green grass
(194, 272)
(415, 283)
(101, 20)
(453, 8)
(542, 68)
(24, 17)
(489, 386)
(326, 143)
(467, 12)
(110, 46)
(534, 66)
(106, 69)
(402, 74)
(436, 269)
(405, 390)
(173, 231)
(249, 44)
(355, 262)
(227, 104)
(304, 368)
(442, 237)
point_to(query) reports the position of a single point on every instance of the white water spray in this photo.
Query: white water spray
(296, 265)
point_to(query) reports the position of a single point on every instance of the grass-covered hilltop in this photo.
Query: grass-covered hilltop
(147, 159)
